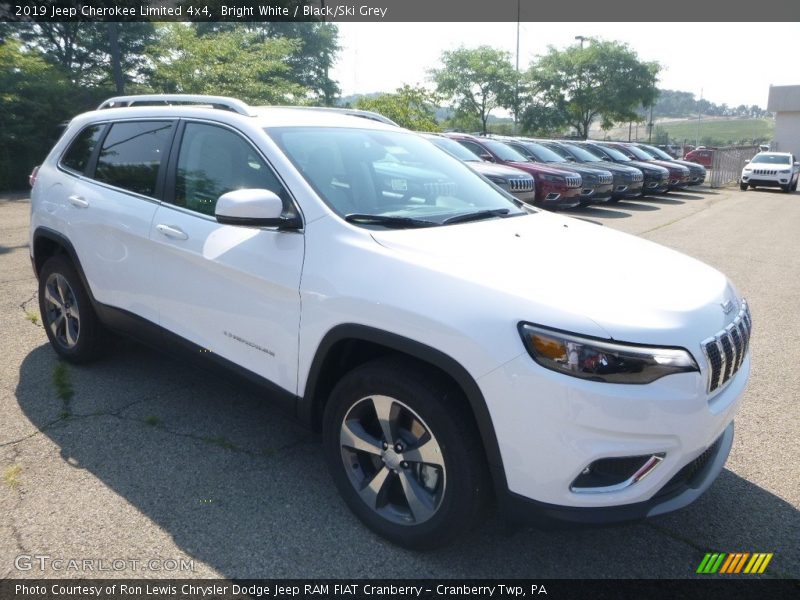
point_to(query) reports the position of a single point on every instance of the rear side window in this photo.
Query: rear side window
(77, 156)
(132, 153)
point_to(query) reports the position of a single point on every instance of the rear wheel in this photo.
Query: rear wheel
(67, 314)
(404, 454)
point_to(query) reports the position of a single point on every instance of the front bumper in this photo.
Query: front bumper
(776, 180)
(681, 493)
(551, 426)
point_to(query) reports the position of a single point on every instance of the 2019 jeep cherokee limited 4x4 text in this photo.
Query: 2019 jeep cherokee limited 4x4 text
(389, 296)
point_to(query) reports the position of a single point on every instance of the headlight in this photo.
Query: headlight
(498, 181)
(600, 360)
(747, 169)
(786, 172)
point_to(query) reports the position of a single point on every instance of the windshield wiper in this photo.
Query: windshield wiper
(477, 216)
(387, 221)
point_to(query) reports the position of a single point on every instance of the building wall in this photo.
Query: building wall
(787, 132)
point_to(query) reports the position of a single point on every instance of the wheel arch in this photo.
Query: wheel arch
(47, 243)
(347, 346)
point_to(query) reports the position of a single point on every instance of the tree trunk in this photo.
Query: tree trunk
(116, 60)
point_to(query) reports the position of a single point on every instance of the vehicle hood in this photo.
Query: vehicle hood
(615, 168)
(537, 167)
(544, 268)
(692, 166)
(494, 170)
(671, 166)
(648, 166)
(584, 169)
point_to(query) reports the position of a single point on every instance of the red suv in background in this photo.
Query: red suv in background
(555, 188)
(702, 156)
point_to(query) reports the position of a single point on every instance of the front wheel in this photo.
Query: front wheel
(404, 453)
(743, 187)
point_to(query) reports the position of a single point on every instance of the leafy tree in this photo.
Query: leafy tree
(234, 63)
(410, 107)
(34, 99)
(317, 45)
(476, 81)
(604, 80)
(541, 119)
(104, 54)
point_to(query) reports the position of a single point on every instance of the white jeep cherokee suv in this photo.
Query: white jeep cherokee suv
(389, 296)
(771, 169)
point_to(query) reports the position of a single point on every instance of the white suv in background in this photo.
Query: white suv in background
(448, 341)
(771, 169)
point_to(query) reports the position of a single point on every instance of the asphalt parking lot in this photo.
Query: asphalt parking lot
(140, 458)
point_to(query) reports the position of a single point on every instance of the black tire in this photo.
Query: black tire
(77, 336)
(430, 423)
(743, 187)
(786, 188)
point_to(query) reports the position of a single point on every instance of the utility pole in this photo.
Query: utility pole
(699, 107)
(516, 82)
(582, 39)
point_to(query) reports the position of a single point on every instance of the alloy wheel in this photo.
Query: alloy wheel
(62, 313)
(393, 460)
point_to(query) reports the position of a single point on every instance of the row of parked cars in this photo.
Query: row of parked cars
(561, 174)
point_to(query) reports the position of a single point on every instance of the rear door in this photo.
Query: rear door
(110, 210)
(232, 290)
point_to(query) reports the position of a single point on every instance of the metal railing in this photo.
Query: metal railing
(727, 164)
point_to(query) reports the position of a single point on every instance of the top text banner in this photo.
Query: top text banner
(663, 11)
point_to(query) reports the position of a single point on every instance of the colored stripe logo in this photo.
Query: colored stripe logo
(733, 563)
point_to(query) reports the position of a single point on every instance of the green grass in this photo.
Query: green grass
(62, 383)
(11, 476)
(32, 316)
(720, 132)
(152, 420)
(713, 132)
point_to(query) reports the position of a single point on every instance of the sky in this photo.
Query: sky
(731, 63)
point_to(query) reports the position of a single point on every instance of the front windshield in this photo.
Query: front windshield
(638, 153)
(582, 154)
(612, 152)
(657, 153)
(504, 152)
(454, 148)
(389, 178)
(772, 159)
(543, 153)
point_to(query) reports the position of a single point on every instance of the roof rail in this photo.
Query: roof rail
(220, 102)
(353, 112)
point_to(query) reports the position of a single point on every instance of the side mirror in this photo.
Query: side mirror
(487, 157)
(746, 160)
(570, 158)
(253, 208)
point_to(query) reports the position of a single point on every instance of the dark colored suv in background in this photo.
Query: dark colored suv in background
(555, 188)
(598, 183)
(696, 172)
(628, 181)
(514, 181)
(656, 179)
(679, 176)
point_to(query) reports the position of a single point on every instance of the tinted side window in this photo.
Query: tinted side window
(472, 147)
(214, 160)
(131, 155)
(80, 150)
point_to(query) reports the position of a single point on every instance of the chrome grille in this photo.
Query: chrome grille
(573, 181)
(765, 171)
(520, 185)
(726, 350)
(606, 179)
(443, 188)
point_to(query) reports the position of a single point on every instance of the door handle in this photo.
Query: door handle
(172, 232)
(78, 201)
